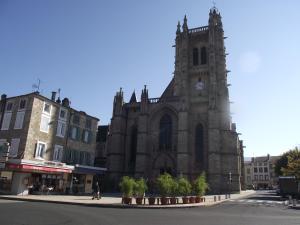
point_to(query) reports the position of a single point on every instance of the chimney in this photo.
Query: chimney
(66, 102)
(53, 96)
(3, 97)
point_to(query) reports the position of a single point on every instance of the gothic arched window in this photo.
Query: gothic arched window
(195, 56)
(199, 143)
(165, 132)
(133, 147)
(203, 56)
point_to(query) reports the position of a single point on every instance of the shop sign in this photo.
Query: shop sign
(50, 163)
(32, 168)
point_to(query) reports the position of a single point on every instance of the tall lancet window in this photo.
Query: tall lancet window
(133, 147)
(195, 57)
(199, 143)
(203, 56)
(165, 133)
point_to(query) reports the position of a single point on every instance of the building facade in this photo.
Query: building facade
(51, 145)
(260, 172)
(188, 129)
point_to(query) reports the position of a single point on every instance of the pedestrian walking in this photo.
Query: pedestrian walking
(96, 191)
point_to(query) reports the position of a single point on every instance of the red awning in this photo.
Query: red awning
(32, 168)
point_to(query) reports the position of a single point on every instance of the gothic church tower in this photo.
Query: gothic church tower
(188, 129)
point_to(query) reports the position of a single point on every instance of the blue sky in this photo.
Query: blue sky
(89, 49)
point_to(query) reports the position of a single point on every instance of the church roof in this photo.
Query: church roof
(133, 98)
(169, 90)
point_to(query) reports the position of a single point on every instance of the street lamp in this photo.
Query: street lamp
(229, 183)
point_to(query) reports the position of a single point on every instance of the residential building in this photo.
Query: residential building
(52, 146)
(260, 172)
(188, 129)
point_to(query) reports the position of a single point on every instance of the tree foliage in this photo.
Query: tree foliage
(127, 184)
(289, 164)
(293, 165)
(164, 183)
(200, 185)
(140, 187)
(184, 186)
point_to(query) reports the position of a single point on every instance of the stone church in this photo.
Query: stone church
(188, 129)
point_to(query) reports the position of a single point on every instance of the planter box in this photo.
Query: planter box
(139, 200)
(151, 200)
(173, 201)
(126, 200)
(164, 201)
(185, 200)
(192, 199)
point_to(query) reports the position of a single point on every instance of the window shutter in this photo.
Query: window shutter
(90, 138)
(82, 135)
(78, 134)
(70, 131)
(6, 121)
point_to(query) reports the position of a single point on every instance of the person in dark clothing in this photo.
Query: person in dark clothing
(96, 191)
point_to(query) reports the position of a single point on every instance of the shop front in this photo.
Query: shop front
(34, 177)
(82, 178)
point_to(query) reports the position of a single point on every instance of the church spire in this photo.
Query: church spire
(178, 28)
(185, 26)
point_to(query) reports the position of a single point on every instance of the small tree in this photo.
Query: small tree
(200, 185)
(164, 182)
(174, 187)
(293, 165)
(184, 186)
(127, 184)
(140, 187)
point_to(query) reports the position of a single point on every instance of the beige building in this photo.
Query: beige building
(260, 172)
(52, 146)
(188, 129)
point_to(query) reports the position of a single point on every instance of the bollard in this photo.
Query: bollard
(219, 198)
(215, 198)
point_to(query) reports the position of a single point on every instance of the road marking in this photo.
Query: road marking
(3, 201)
(260, 202)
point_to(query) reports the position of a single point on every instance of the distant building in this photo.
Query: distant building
(260, 173)
(188, 129)
(52, 146)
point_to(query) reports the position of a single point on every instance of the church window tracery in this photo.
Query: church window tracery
(199, 143)
(165, 132)
(203, 56)
(195, 56)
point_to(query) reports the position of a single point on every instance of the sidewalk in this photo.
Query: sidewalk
(110, 201)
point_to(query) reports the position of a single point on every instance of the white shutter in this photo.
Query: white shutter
(61, 128)
(57, 156)
(19, 120)
(13, 152)
(6, 121)
(45, 123)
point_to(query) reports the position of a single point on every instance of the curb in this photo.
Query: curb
(120, 206)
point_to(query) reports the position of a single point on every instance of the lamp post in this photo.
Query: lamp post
(229, 183)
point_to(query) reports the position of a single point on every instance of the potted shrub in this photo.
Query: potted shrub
(126, 186)
(164, 182)
(174, 191)
(140, 187)
(184, 189)
(200, 187)
(151, 198)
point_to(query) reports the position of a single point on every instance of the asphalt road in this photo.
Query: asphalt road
(262, 208)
